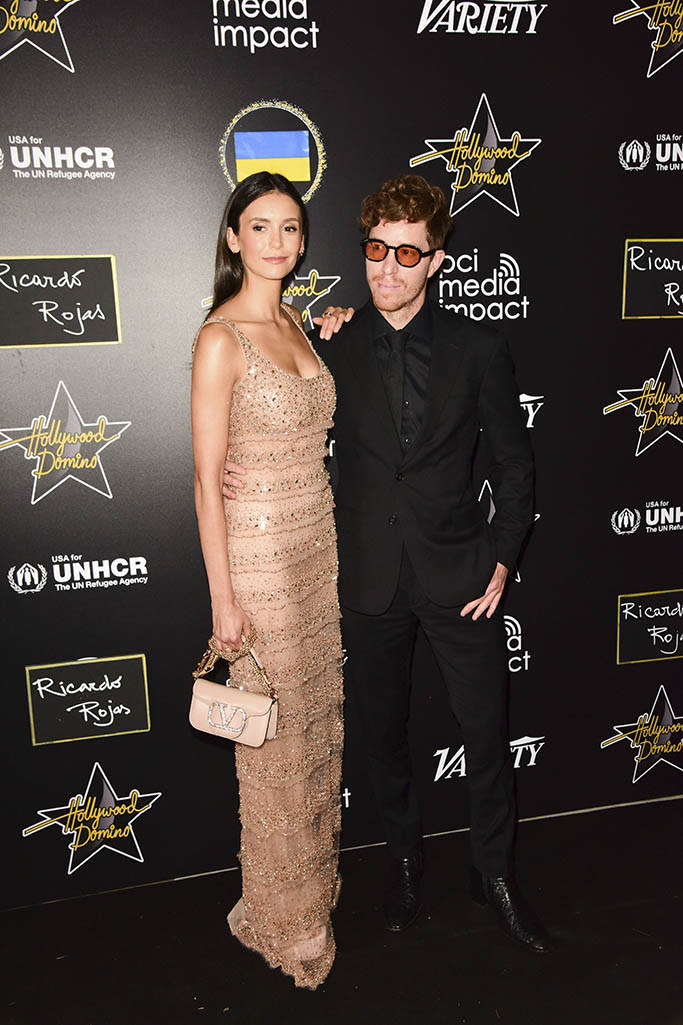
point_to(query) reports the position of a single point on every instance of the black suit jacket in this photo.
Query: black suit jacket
(423, 498)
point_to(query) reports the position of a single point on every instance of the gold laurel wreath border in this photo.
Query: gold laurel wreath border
(292, 109)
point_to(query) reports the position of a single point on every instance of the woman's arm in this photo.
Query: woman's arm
(218, 364)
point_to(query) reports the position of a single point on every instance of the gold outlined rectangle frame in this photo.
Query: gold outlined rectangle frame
(643, 594)
(652, 316)
(115, 284)
(80, 662)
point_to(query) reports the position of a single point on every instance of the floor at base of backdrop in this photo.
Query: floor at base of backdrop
(608, 885)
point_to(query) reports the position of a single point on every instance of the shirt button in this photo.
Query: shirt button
(393, 519)
(399, 476)
(406, 441)
(406, 403)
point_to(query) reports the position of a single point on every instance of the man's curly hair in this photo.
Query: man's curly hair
(409, 197)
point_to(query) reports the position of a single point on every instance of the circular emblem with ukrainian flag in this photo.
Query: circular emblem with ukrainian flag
(275, 136)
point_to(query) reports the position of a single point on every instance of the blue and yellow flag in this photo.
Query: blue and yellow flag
(278, 152)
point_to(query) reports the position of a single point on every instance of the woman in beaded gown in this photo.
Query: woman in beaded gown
(261, 398)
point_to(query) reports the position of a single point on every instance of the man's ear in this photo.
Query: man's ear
(437, 260)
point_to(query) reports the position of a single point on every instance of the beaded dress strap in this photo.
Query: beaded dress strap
(217, 320)
(287, 307)
(288, 310)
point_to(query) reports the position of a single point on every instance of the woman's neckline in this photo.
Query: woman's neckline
(298, 377)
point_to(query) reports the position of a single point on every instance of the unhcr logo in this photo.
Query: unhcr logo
(27, 579)
(634, 155)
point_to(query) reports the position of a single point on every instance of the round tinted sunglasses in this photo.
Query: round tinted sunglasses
(406, 255)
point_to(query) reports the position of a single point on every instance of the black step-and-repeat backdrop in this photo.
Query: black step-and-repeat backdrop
(556, 131)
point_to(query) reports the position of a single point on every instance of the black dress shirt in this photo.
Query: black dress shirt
(417, 361)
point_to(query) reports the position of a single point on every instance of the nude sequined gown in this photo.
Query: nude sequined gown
(283, 564)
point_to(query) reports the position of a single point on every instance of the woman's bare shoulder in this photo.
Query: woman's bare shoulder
(218, 347)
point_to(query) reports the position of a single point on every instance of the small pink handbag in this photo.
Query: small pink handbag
(225, 711)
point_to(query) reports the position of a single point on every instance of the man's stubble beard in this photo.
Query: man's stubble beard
(385, 303)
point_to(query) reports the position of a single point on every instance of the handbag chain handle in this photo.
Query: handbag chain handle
(214, 652)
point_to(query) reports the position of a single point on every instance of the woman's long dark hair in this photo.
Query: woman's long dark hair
(229, 272)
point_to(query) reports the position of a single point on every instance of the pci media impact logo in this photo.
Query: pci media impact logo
(665, 17)
(64, 447)
(656, 736)
(293, 29)
(518, 656)
(37, 23)
(480, 295)
(97, 820)
(275, 136)
(658, 404)
(481, 160)
(499, 17)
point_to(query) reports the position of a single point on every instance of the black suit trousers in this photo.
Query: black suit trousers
(473, 661)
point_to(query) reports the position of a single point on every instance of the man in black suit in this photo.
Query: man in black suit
(415, 385)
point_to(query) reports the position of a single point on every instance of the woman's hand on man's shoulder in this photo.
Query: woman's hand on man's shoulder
(332, 319)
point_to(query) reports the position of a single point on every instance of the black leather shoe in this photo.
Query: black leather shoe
(402, 904)
(514, 915)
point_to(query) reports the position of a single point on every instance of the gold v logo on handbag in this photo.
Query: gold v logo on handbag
(225, 711)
